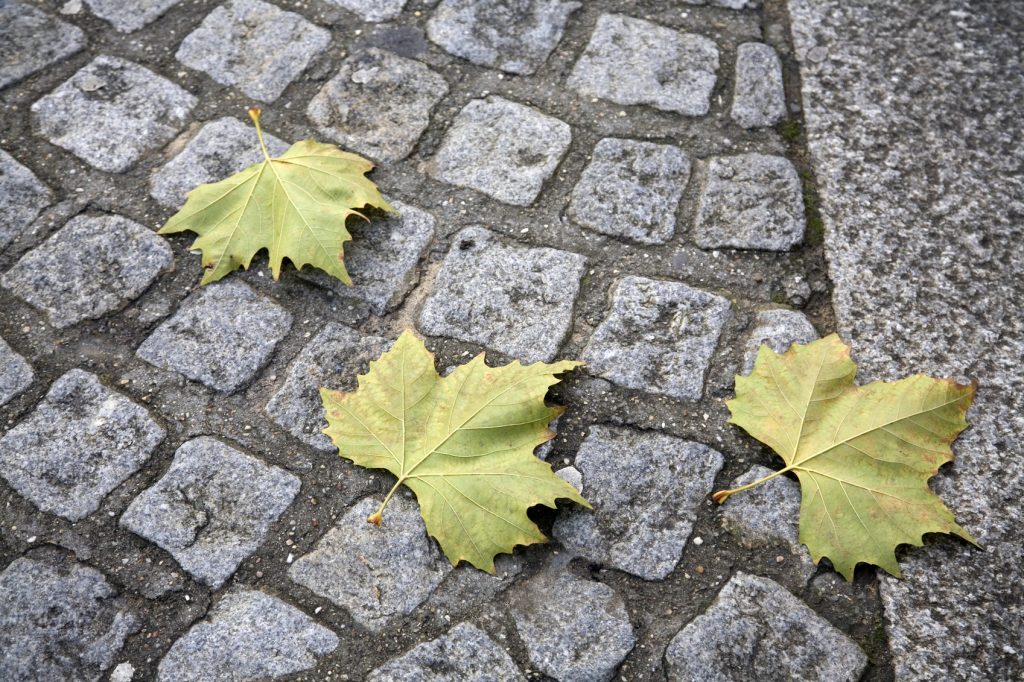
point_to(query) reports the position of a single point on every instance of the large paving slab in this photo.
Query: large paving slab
(464, 653)
(22, 197)
(32, 40)
(918, 218)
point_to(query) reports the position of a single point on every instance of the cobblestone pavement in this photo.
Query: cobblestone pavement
(621, 182)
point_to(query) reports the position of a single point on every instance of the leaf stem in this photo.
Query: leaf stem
(722, 495)
(376, 517)
(254, 114)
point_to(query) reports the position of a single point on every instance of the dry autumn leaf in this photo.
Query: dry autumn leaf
(863, 454)
(295, 206)
(463, 443)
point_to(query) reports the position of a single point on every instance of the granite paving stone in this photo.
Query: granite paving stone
(111, 112)
(502, 148)
(574, 630)
(658, 337)
(22, 197)
(756, 630)
(221, 336)
(634, 61)
(727, 4)
(464, 653)
(376, 573)
(373, 10)
(61, 620)
(758, 98)
(378, 104)
(253, 46)
(33, 40)
(383, 258)
(82, 441)
(646, 489)
(130, 15)
(92, 266)
(212, 509)
(220, 149)
(512, 35)
(631, 189)
(248, 635)
(779, 329)
(332, 359)
(15, 373)
(515, 299)
(750, 201)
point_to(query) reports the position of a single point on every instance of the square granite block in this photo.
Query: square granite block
(759, 97)
(15, 373)
(464, 653)
(90, 267)
(212, 509)
(632, 61)
(515, 299)
(503, 149)
(373, 10)
(658, 337)
(512, 35)
(22, 197)
(31, 40)
(222, 335)
(253, 46)
(82, 441)
(130, 15)
(631, 189)
(112, 112)
(378, 104)
(220, 149)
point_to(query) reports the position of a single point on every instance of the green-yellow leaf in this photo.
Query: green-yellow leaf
(863, 454)
(295, 206)
(463, 443)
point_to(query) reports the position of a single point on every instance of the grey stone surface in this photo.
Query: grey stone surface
(253, 46)
(918, 213)
(130, 15)
(779, 329)
(574, 630)
(22, 197)
(727, 4)
(658, 337)
(332, 359)
(646, 489)
(378, 104)
(111, 112)
(756, 630)
(32, 40)
(750, 201)
(633, 61)
(758, 98)
(15, 373)
(221, 148)
(61, 620)
(512, 35)
(376, 573)
(464, 653)
(248, 635)
(515, 299)
(222, 335)
(90, 267)
(631, 189)
(373, 10)
(503, 149)
(80, 443)
(212, 509)
(382, 258)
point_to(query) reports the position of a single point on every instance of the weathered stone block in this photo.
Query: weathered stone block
(32, 40)
(22, 197)
(759, 97)
(130, 15)
(15, 374)
(464, 653)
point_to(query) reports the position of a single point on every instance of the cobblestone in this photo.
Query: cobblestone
(514, 299)
(759, 98)
(755, 629)
(646, 489)
(253, 46)
(378, 104)
(750, 201)
(111, 112)
(130, 15)
(248, 635)
(32, 41)
(503, 149)
(658, 337)
(15, 373)
(22, 197)
(633, 61)
(222, 335)
(82, 441)
(512, 35)
(464, 653)
(778, 329)
(373, 10)
(92, 266)
(212, 508)
(631, 189)
(61, 620)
